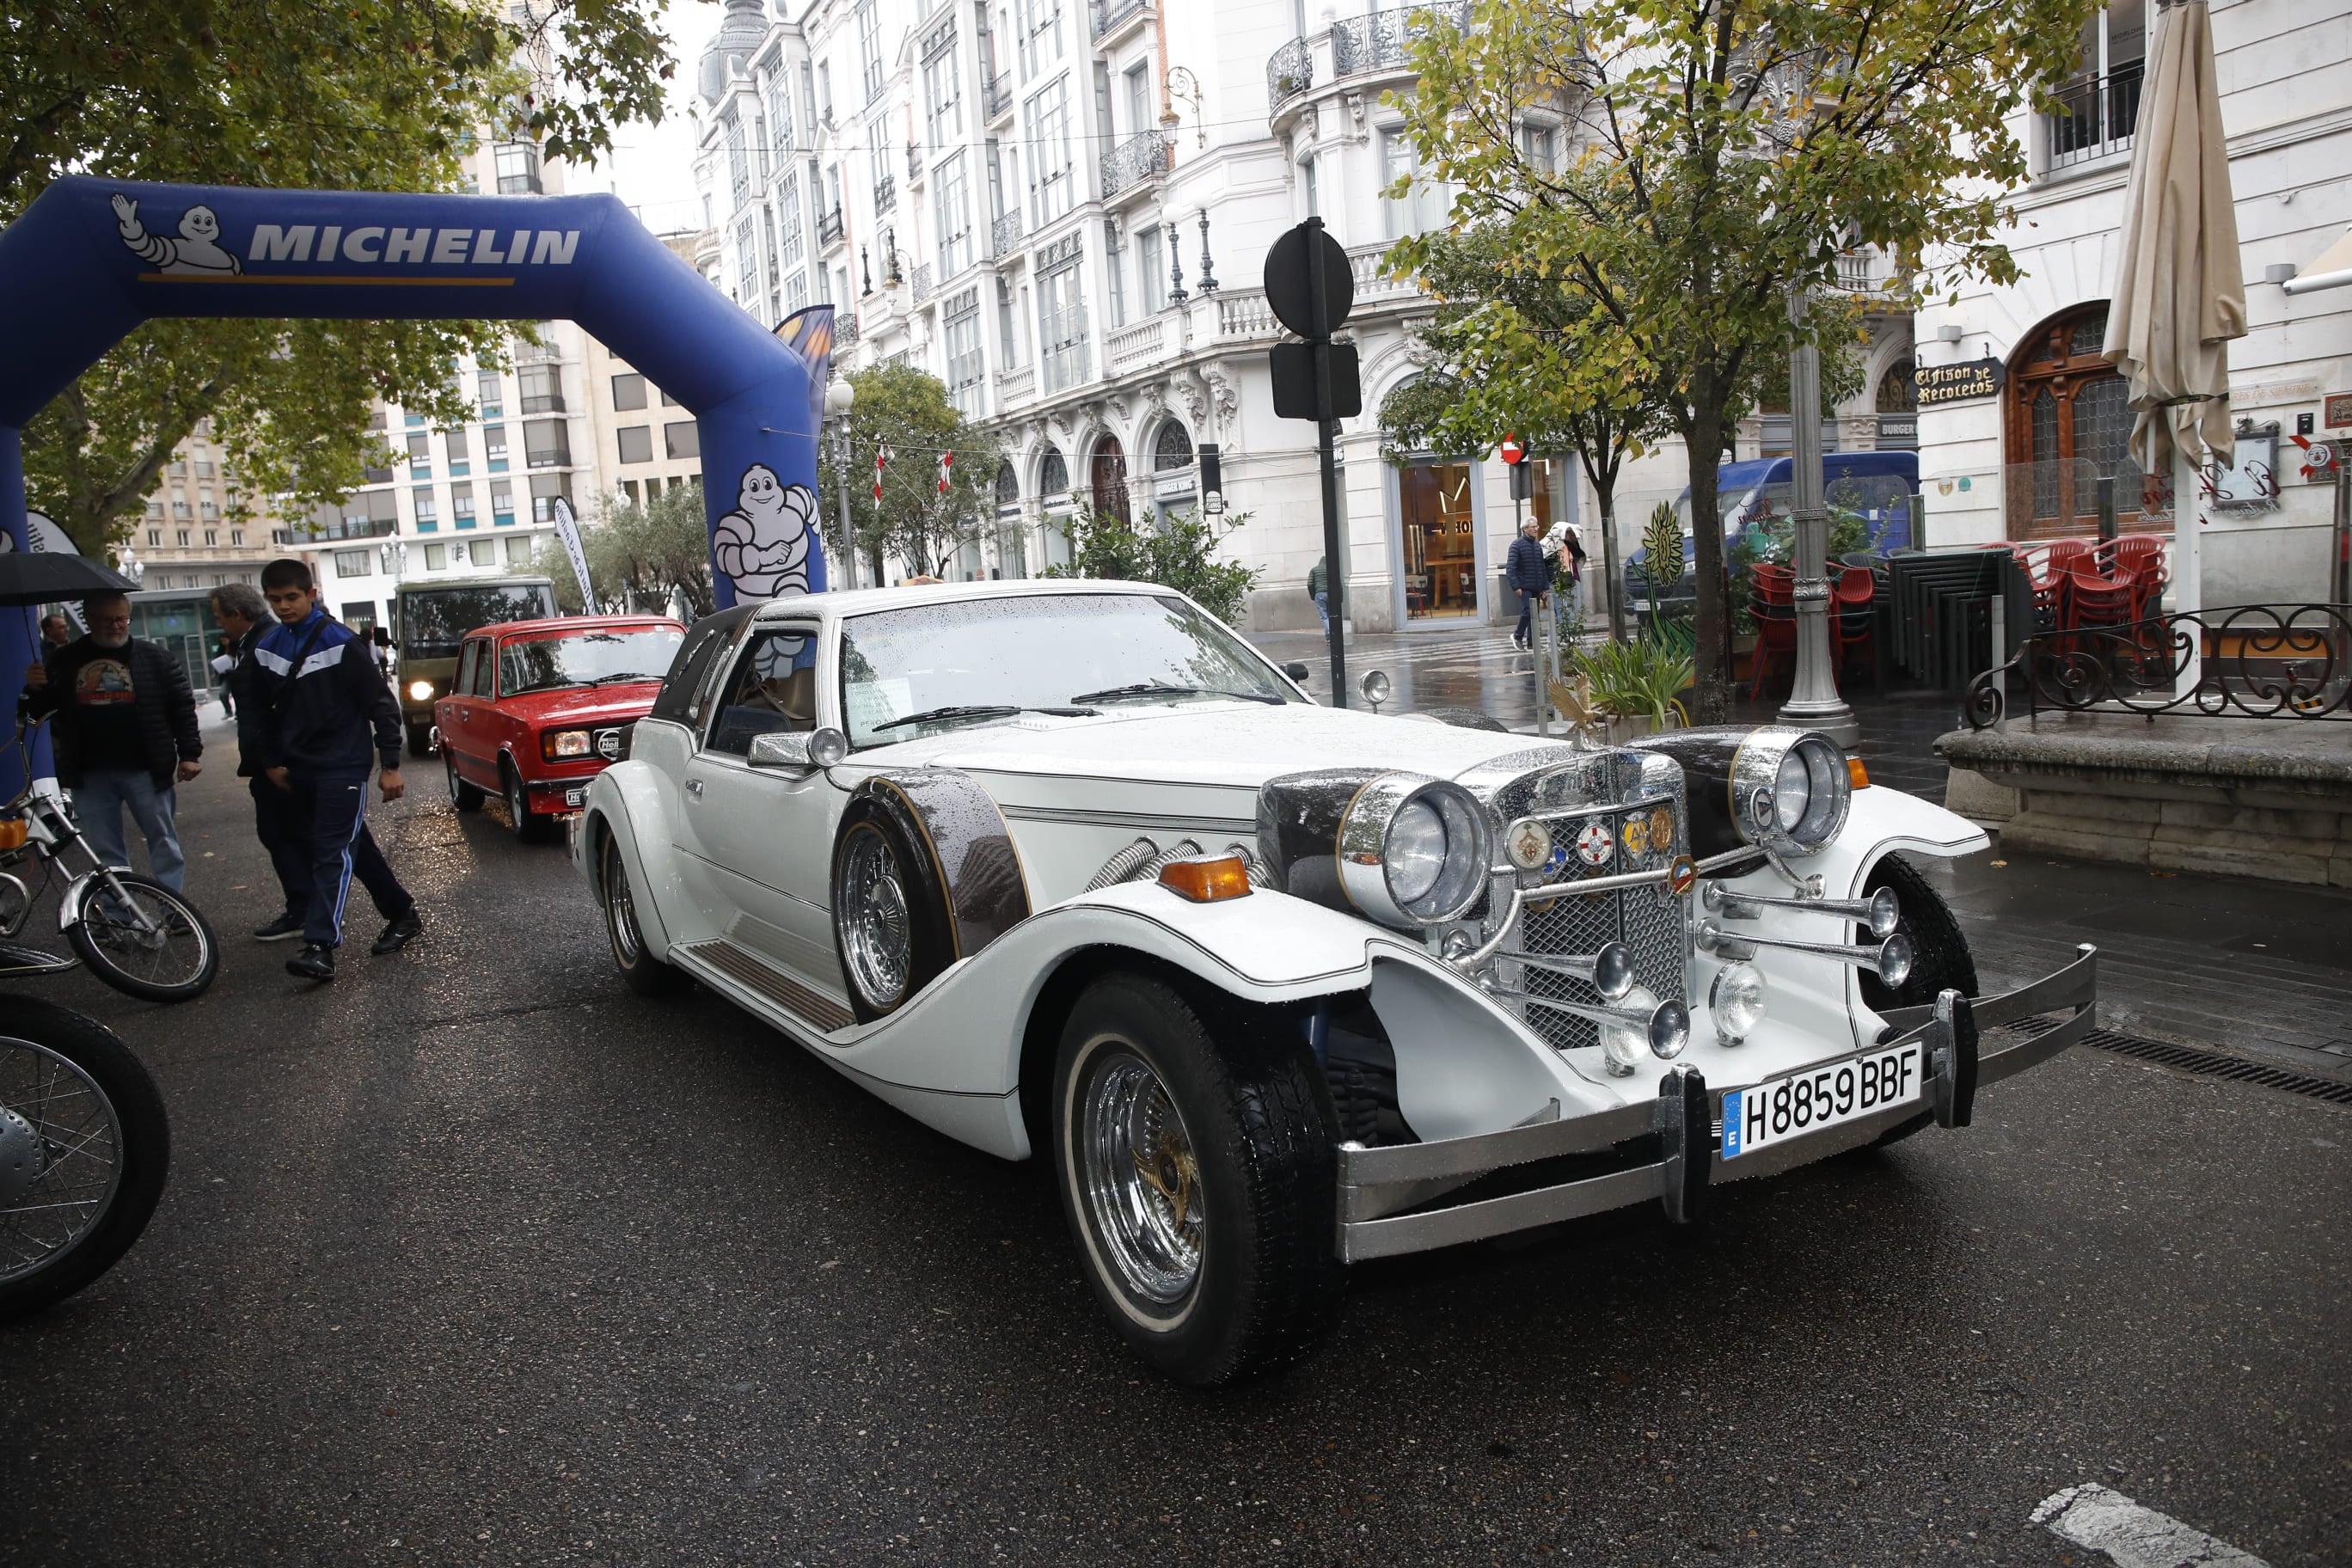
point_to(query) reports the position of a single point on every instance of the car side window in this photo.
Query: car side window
(771, 687)
(466, 657)
(486, 671)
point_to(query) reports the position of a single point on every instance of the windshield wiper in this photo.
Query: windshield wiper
(983, 711)
(615, 679)
(1163, 688)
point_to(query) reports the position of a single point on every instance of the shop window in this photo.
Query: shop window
(1440, 578)
(2067, 425)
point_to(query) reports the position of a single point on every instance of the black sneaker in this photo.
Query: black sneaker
(285, 925)
(315, 961)
(397, 933)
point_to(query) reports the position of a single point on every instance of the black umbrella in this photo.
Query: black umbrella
(39, 577)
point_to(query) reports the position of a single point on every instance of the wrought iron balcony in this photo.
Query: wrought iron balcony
(997, 93)
(1378, 42)
(922, 282)
(886, 194)
(845, 329)
(2095, 118)
(1139, 158)
(914, 162)
(1004, 234)
(1104, 16)
(828, 227)
(1289, 71)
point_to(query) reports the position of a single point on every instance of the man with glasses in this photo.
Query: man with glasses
(125, 733)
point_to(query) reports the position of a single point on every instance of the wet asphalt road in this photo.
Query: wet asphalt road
(476, 1257)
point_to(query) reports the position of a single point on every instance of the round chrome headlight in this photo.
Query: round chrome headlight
(1790, 790)
(1735, 1001)
(1414, 850)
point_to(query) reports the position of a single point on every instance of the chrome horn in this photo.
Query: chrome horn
(1608, 971)
(1880, 911)
(1666, 1026)
(1890, 960)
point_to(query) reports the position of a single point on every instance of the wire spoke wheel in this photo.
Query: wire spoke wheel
(876, 932)
(61, 1157)
(1140, 1179)
(141, 937)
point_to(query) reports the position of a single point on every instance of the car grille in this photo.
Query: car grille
(1629, 796)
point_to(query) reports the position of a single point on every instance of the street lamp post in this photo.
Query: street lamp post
(839, 398)
(1814, 700)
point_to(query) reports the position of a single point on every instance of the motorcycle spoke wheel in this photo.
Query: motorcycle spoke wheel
(60, 1157)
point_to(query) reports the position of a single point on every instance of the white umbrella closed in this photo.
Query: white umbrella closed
(2181, 292)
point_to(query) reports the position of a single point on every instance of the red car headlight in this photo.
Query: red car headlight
(557, 745)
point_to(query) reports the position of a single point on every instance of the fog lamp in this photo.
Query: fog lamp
(1662, 1031)
(1736, 1002)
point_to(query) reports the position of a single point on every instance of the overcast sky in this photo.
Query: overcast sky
(652, 166)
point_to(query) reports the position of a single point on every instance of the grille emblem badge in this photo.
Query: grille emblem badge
(1528, 845)
(1595, 845)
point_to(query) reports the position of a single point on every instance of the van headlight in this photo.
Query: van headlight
(1414, 850)
(420, 692)
(1790, 790)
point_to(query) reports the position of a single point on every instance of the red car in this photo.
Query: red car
(539, 708)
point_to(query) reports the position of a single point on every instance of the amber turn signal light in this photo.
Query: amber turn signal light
(1857, 773)
(12, 833)
(1206, 878)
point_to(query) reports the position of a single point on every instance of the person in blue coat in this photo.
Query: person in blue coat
(327, 721)
(1529, 575)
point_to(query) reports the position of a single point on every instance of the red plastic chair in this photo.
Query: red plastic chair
(2070, 555)
(1851, 607)
(1773, 602)
(2140, 557)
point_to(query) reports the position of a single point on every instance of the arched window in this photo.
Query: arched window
(1107, 475)
(1172, 448)
(1053, 474)
(1898, 389)
(2066, 424)
(1008, 486)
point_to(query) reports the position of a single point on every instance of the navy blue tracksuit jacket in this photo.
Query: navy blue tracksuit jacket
(328, 722)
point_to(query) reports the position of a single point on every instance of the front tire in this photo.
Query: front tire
(1196, 1158)
(528, 827)
(1940, 959)
(174, 959)
(641, 971)
(84, 1149)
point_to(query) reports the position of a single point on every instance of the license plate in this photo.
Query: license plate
(576, 797)
(1785, 1108)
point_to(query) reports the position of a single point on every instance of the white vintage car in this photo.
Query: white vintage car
(1069, 868)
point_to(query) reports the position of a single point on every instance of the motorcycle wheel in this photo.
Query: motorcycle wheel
(173, 961)
(84, 1149)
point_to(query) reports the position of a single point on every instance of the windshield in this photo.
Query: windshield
(551, 660)
(434, 622)
(981, 661)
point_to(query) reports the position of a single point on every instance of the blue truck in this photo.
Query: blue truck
(1755, 496)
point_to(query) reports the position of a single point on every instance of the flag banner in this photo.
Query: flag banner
(567, 529)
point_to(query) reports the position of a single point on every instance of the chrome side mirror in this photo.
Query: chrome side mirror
(800, 750)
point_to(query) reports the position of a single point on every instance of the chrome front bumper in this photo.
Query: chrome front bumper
(1388, 1196)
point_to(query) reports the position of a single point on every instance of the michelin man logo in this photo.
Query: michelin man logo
(763, 543)
(197, 249)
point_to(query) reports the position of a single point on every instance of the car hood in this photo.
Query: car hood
(1228, 744)
(583, 705)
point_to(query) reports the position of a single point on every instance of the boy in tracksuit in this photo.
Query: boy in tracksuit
(329, 721)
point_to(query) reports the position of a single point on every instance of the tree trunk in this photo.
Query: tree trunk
(1704, 438)
(1610, 579)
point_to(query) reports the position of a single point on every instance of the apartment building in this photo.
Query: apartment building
(2025, 416)
(187, 541)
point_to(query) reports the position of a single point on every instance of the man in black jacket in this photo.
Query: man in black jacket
(244, 616)
(327, 721)
(1527, 572)
(125, 734)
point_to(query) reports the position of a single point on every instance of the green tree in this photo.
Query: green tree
(1181, 554)
(1724, 153)
(908, 411)
(371, 94)
(637, 552)
(1498, 347)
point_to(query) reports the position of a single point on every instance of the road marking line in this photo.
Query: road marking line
(2134, 1537)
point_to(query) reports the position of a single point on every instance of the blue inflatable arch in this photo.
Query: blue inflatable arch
(90, 259)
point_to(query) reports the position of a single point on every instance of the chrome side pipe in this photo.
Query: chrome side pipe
(1880, 911)
(1890, 960)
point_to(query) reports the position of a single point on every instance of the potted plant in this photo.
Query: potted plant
(1634, 688)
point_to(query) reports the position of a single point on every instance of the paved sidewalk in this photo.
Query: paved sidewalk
(2259, 968)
